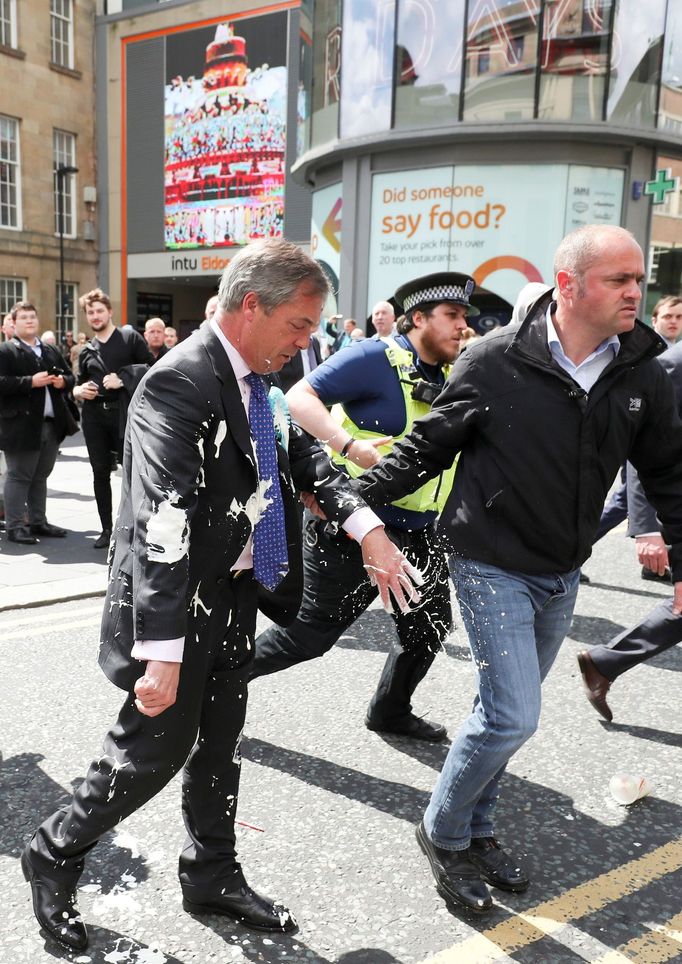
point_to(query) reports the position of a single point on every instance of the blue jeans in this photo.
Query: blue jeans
(516, 623)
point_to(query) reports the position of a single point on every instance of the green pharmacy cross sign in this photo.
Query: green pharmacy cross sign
(664, 183)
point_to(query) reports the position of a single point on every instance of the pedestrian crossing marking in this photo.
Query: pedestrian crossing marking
(42, 617)
(663, 943)
(549, 917)
(27, 632)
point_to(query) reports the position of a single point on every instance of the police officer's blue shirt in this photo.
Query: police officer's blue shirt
(363, 380)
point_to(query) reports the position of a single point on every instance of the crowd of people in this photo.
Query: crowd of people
(419, 466)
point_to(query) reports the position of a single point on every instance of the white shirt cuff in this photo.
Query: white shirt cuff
(646, 535)
(360, 522)
(163, 650)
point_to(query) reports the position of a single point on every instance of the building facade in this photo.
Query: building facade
(48, 196)
(196, 103)
(472, 134)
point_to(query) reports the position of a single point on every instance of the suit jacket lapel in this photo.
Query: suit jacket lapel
(229, 391)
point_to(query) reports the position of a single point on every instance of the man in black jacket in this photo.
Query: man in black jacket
(661, 628)
(207, 532)
(543, 416)
(33, 421)
(108, 371)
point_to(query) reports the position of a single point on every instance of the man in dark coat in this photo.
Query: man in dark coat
(661, 628)
(543, 416)
(207, 532)
(33, 421)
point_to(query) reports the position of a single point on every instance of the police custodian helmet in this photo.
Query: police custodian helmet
(442, 286)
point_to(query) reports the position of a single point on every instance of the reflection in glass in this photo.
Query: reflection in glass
(670, 110)
(368, 41)
(326, 88)
(501, 54)
(574, 60)
(305, 83)
(428, 62)
(636, 62)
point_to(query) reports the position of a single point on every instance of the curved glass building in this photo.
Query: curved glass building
(472, 134)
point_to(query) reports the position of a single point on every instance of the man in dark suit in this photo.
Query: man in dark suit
(33, 421)
(207, 532)
(661, 628)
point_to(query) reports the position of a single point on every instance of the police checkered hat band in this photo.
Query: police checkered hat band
(436, 288)
(439, 293)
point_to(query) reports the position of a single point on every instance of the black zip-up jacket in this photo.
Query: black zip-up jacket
(538, 455)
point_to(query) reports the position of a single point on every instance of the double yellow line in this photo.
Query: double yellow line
(654, 947)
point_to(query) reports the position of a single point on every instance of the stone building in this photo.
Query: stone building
(47, 123)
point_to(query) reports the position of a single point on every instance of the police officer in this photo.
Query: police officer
(378, 389)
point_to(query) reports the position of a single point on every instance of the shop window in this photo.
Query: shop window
(428, 62)
(8, 23)
(66, 299)
(11, 291)
(61, 32)
(574, 59)
(326, 86)
(64, 154)
(670, 109)
(10, 173)
(367, 44)
(501, 46)
(153, 306)
(636, 53)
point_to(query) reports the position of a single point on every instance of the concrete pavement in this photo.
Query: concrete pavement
(58, 570)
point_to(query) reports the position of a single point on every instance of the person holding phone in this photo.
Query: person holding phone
(34, 379)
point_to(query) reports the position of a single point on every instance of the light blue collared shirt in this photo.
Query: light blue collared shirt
(589, 370)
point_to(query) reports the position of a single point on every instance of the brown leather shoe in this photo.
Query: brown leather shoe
(596, 685)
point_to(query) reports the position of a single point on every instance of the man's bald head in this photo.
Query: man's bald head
(580, 249)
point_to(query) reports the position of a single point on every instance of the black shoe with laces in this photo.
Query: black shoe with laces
(103, 539)
(457, 879)
(496, 867)
(413, 726)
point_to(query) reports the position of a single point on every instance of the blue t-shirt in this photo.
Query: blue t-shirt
(363, 380)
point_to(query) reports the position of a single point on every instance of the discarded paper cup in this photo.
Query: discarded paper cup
(626, 788)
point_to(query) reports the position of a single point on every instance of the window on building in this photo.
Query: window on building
(64, 155)
(66, 299)
(655, 252)
(636, 53)
(326, 89)
(8, 23)
(11, 291)
(502, 45)
(428, 63)
(61, 32)
(10, 181)
(368, 42)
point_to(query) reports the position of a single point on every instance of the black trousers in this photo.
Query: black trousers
(337, 591)
(202, 730)
(657, 632)
(102, 437)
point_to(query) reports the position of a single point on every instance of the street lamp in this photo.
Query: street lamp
(62, 171)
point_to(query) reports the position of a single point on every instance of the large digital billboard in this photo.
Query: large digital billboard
(225, 120)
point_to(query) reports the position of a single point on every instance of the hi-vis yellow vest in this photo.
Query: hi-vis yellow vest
(432, 496)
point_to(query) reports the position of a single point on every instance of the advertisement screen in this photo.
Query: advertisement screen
(225, 118)
(499, 223)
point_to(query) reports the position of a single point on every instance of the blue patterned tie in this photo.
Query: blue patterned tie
(270, 557)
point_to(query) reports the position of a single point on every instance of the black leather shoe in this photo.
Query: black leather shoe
(46, 529)
(103, 539)
(414, 726)
(583, 579)
(55, 908)
(596, 685)
(22, 535)
(648, 575)
(457, 879)
(245, 906)
(496, 867)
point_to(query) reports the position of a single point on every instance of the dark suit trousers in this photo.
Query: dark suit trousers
(337, 591)
(102, 437)
(657, 632)
(202, 730)
(26, 480)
